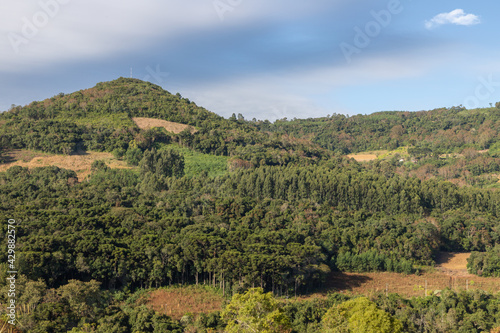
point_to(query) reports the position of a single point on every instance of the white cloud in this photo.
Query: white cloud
(40, 33)
(35, 34)
(457, 16)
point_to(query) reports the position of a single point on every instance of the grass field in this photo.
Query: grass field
(196, 162)
(363, 157)
(80, 163)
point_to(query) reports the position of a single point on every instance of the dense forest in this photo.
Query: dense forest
(289, 209)
(440, 130)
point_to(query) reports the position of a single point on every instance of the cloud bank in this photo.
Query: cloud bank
(457, 17)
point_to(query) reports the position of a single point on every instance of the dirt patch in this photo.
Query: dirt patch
(453, 264)
(176, 302)
(148, 123)
(363, 157)
(452, 260)
(80, 163)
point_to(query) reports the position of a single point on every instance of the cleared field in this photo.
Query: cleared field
(148, 123)
(79, 163)
(363, 157)
(450, 272)
(176, 302)
(406, 285)
(380, 154)
(452, 261)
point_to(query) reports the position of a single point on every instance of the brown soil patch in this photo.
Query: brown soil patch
(406, 285)
(453, 263)
(176, 302)
(148, 123)
(363, 157)
(80, 163)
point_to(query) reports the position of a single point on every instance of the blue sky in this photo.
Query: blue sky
(264, 59)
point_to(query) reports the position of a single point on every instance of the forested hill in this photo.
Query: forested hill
(122, 98)
(100, 119)
(440, 130)
(235, 204)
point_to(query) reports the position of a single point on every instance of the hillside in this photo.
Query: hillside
(102, 119)
(442, 130)
(453, 144)
(104, 207)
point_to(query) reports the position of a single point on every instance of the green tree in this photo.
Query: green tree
(167, 163)
(98, 165)
(133, 156)
(83, 298)
(359, 315)
(255, 311)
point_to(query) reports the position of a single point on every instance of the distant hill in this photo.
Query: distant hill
(122, 98)
(102, 119)
(441, 130)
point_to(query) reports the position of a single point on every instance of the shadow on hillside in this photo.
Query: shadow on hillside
(340, 281)
(7, 157)
(444, 257)
(79, 152)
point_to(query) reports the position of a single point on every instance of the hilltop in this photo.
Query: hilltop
(102, 119)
